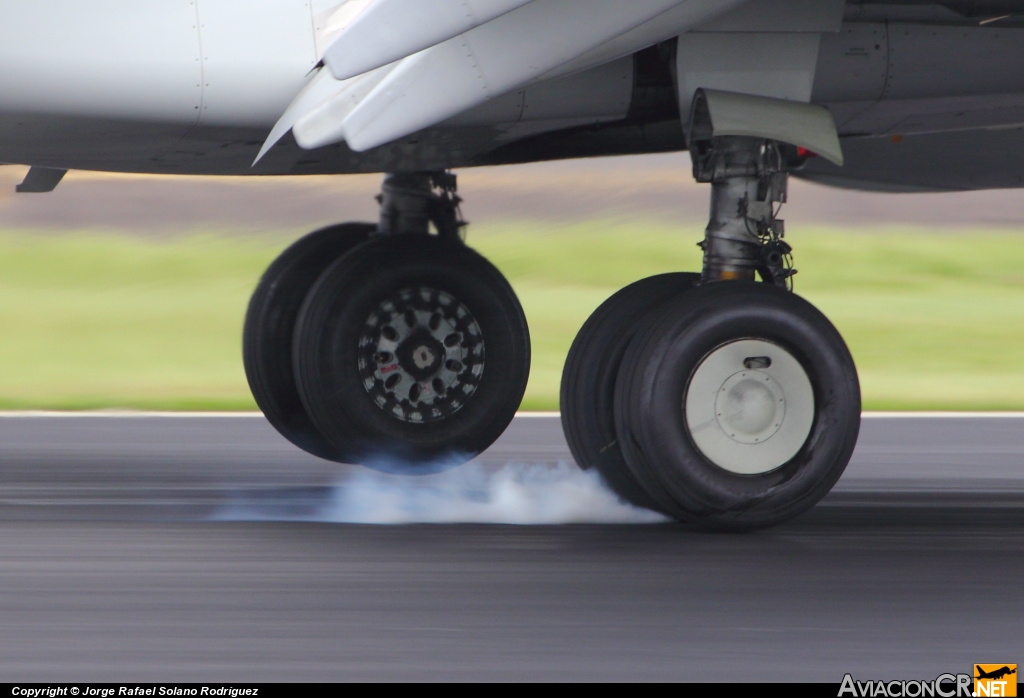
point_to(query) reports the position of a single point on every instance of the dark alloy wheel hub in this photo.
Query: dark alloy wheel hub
(421, 355)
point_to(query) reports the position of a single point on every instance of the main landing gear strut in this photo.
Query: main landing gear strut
(717, 400)
(391, 345)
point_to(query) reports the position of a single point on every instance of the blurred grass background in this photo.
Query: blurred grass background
(935, 319)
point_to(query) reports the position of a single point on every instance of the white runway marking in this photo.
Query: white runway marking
(129, 414)
(125, 414)
(942, 415)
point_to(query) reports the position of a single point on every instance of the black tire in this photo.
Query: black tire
(588, 380)
(340, 364)
(270, 325)
(653, 393)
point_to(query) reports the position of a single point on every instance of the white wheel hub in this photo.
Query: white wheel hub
(749, 406)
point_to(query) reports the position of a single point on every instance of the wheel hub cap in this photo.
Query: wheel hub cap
(749, 406)
(421, 355)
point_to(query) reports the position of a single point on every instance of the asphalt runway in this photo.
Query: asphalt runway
(160, 549)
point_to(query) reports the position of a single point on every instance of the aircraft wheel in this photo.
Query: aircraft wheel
(738, 406)
(411, 354)
(588, 380)
(270, 324)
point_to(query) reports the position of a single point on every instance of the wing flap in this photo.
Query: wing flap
(522, 42)
(319, 88)
(506, 53)
(388, 30)
(325, 123)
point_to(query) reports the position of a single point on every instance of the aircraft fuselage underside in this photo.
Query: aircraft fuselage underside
(199, 95)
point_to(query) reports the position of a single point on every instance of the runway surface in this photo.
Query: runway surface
(156, 549)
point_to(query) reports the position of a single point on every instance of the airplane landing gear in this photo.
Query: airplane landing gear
(402, 350)
(733, 405)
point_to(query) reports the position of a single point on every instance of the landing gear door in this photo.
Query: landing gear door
(767, 49)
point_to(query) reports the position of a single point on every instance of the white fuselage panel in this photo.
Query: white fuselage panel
(130, 78)
(256, 57)
(102, 58)
(174, 61)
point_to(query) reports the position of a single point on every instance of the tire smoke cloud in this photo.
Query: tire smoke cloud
(516, 493)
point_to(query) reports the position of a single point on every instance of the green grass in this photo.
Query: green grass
(934, 320)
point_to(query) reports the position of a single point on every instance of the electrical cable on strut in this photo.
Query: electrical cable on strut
(445, 206)
(777, 253)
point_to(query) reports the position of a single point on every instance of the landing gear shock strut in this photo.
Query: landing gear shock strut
(411, 201)
(748, 181)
